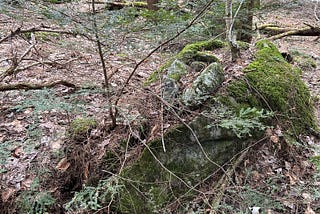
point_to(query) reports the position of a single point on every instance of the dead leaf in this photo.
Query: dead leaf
(18, 152)
(292, 178)
(56, 144)
(268, 132)
(307, 197)
(63, 164)
(287, 165)
(5, 195)
(26, 184)
(16, 125)
(86, 172)
(278, 131)
(274, 139)
(269, 211)
(154, 130)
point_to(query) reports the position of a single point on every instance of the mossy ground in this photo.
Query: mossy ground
(80, 127)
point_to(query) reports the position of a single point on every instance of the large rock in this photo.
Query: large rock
(204, 85)
(170, 81)
(194, 152)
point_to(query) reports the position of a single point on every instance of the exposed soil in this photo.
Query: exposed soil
(38, 155)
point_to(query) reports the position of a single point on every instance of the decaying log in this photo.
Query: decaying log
(28, 86)
(120, 5)
(277, 32)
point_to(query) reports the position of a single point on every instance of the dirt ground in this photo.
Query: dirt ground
(34, 125)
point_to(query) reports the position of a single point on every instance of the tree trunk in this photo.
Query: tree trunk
(235, 51)
(151, 4)
(245, 30)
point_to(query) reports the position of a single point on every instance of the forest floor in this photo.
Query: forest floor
(34, 139)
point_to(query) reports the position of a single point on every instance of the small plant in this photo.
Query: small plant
(246, 121)
(93, 198)
(35, 202)
(45, 100)
(316, 161)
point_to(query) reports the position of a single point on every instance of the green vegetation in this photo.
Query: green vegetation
(272, 83)
(246, 121)
(198, 51)
(80, 127)
(34, 201)
(93, 198)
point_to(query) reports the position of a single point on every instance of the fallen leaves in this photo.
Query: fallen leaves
(5, 195)
(63, 164)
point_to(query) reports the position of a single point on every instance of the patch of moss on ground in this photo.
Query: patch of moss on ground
(270, 81)
(80, 127)
(304, 61)
(316, 161)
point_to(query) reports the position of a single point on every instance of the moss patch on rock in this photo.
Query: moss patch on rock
(198, 51)
(152, 181)
(271, 82)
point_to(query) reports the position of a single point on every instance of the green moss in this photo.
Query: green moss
(316, 161)
(190, 51)
(176, 70)
(79, 127)
(149, 185)
(45, 36)
(304, 61)
(272, 82)
(198, 51)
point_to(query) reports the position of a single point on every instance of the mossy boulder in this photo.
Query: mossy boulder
(232, 119)
(192, 154)
(270, 82)
(170, 81)
(204, 85)
(199, 51)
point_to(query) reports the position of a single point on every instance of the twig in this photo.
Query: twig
(315, 11)
(15, 63)
(113, 115)
(40, 28)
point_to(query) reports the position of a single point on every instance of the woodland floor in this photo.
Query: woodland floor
(33, 124)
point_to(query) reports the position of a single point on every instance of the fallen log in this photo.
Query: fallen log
(28, 86)
(280, 32)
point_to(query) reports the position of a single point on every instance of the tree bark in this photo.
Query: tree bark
(235, 51)
(246, 20)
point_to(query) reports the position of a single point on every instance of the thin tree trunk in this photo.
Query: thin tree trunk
(235, 51)
(246, 20)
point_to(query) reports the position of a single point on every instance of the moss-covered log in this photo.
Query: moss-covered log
(280, 32)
